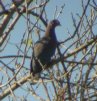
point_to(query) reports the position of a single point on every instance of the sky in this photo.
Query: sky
(65, 20)
(71, 6)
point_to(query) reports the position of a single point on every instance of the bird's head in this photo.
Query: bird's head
(54, 23)
(51, 27)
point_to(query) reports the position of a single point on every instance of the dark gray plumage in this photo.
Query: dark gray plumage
(44, 49)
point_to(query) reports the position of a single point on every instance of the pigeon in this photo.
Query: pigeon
(44, 49)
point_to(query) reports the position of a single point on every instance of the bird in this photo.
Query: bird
(44, 48)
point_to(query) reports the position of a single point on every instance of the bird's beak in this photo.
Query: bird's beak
(59, 24)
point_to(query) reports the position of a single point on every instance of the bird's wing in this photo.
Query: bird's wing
(40, 46)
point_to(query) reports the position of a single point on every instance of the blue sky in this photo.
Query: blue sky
(71, 6)
(65, 20)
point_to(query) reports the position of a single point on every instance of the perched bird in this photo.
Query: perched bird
(44, 49)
